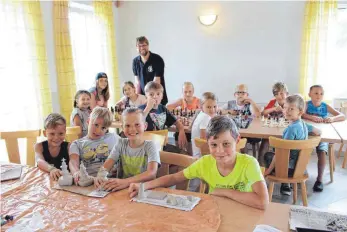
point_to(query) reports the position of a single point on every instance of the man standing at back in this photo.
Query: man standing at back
(148, 67)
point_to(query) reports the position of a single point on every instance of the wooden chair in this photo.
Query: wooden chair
(182, 161)
(204, 150)
(344, 111)
(282, 151)
(160, 139)
(164, 133)
(72, 133)
(11, 140)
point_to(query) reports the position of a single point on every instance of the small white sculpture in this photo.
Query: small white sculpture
(85, 180)
(142, 194)
(66, 179)
(102, 174)
(171, 200)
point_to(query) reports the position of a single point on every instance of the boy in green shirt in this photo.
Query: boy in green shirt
(228, 173)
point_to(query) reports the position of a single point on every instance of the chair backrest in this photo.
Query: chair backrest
(158, 139)
(161, 132)
(344, 108)
(282, 152)
(204, 149)
(11, 140)
(72, 133)
(179, 160)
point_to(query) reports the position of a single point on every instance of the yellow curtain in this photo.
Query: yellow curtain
(63, 58)
(319, 16)
(103, 9)
(33, 13)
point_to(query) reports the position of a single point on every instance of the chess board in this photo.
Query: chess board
(242, 122)
(275, 122)
(186, 117)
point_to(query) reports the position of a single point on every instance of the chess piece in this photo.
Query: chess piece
(142, 194)
(66, 179)
(112, 110)
(85, 180)
(263, 118)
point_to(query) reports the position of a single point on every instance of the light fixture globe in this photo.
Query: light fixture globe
(207, 20)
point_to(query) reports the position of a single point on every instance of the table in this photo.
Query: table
(341, 129)
(68, 211)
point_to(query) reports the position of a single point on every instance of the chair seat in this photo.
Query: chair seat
(287, 180)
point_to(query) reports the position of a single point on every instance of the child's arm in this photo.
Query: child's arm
(337, 116)
(77, 122)
(54, 173)
(255, 108)
(164, 181)
(266, 112)
(258, 198)
(174, 105)
(202, 133)
(149, 106)
(312, 118)
(92, 101)
(182, 139)
(118, 184)
(74, 165)
(120, 103)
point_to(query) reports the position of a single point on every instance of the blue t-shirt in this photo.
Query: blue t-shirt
(321, 111)
(159, 119)
(297, 130)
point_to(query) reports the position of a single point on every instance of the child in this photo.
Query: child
(275, 109)
(228, 173)
(318, 111)
(209, 110)
(139, 159)
(157, 115)
(94, 148)
(188, 101)
(49, 153)
(243, 104)
(131, 98)
(100, 93)
(275, 106)
(296, 130)
(81, 111)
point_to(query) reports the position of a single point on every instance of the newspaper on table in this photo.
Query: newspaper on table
(304, 217)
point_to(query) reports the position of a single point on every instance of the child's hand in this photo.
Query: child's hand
(151, 103)
(99, 182)
(55, 174)
(182, 140)
(279, 108)
(317, 119)
(76, 177)
(134, 189)
(247, 100)
(115, 184)
(328, 120)
(267, 172)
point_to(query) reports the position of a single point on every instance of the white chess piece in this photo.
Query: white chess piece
(66, 179)
(85, 180)
(271, 122)
(263, 118)
(142, 194)
(266, 123)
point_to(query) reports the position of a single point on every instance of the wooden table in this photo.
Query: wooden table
(341, 129)
(71, 211)
(238, 217)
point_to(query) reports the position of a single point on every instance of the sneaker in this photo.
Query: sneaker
(285, 189)
(318, 186)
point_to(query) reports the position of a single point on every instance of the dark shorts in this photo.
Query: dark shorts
(322, 146)
(188, 135)
(253, 140)
(268, 157)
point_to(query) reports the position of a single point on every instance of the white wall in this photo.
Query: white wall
(256, 43)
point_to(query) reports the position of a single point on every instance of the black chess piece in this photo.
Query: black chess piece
(112, 110)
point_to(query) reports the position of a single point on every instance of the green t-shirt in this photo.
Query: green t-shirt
(245, 173)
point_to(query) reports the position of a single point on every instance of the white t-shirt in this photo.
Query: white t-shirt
(141, 99)
(200, 122)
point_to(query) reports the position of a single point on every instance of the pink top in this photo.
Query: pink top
(101, 102)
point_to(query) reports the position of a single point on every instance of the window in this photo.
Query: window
(333, 75)
(89, 40)
(20, 95)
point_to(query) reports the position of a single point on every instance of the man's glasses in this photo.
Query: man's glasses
(240, 92)
(142, 45)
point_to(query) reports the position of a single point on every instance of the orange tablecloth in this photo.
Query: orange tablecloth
(65, 211)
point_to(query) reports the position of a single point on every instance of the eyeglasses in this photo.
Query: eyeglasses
(240, 92)
(142, 46)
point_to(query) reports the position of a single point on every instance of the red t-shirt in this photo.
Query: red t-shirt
(271, 104)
